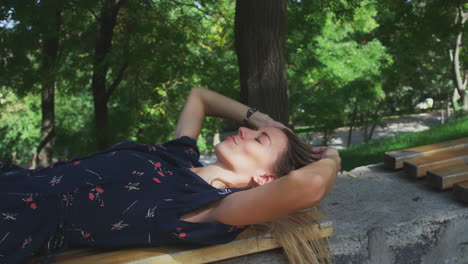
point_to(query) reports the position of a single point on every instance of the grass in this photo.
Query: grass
(372, 152)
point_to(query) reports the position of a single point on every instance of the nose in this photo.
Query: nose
(244, 132)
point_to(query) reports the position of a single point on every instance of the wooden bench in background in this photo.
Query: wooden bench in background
(418, 167)
(247, 242)
(445, 165)
(395, 159)
(444, 178)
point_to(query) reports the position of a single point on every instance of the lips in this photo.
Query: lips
(232, 138)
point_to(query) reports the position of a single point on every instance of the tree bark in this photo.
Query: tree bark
(353, 121)
(260, 29)
(375, 119)
(50, 48)
(459, 80)
(104, 33)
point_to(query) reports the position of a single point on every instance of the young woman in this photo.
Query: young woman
(151, 195)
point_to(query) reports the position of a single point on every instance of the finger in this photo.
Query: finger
(316, 156)
(319, 149)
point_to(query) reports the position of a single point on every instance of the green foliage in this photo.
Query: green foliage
(348, 75)
(349, 62)
(19, 126)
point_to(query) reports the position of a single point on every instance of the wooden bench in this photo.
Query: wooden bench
(445, 177)
(247, 242)
(395, 159)
(446, 165)
(461, 191)
(417, 167)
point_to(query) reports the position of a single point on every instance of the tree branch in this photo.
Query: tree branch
(184, 4)
(117, 81)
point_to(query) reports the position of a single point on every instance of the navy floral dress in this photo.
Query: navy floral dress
(128, 195)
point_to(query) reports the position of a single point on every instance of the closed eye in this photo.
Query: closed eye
(258, 140)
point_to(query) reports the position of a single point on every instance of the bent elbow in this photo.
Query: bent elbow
(319, 186)
(314, 189)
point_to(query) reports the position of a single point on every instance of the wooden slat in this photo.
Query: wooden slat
(461, 191)
(417, 167)
(177, 255)
(445, 177)
(395, 159)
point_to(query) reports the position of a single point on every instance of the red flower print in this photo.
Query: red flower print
(119, 225)
(179, 233)
(153, 148)
(157, 164)
(160, 173)
(157, 180)
(86, 235)
(76, 162)
(9, 216)
(1, 162)
(56, 180)
(68, 199)
(95, 193)
(31, 203)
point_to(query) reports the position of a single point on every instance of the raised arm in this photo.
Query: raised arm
(203, 102)
(302, 188)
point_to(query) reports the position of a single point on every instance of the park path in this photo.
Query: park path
(392, 127)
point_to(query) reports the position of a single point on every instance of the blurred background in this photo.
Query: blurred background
(79, 76)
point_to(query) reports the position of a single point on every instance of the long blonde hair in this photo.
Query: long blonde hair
(299, 232)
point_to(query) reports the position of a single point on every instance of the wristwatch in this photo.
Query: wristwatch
(249, 113)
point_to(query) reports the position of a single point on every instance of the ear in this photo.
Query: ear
(262, 179)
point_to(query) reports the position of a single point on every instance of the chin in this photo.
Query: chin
(221, 152)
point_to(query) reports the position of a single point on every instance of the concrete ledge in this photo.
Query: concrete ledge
(382, 216)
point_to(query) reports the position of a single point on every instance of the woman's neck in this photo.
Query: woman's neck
(216, 174)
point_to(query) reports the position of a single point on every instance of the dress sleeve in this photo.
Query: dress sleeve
(209, 233)
(184, 148)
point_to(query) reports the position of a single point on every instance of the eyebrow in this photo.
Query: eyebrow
(268, 136)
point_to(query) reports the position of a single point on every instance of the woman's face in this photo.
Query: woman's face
(252, 151)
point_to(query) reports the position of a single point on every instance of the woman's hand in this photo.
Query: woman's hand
(260, 120)
(327, 153)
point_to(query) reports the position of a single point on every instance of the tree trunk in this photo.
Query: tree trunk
(260, 29)
(459, 80)
(50, 47)
(353, 120)
(104, 33)
(375, 119)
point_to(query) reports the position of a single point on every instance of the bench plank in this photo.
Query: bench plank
(444, 178)
(173, 255)
(394, 159)
(417, 167)
(461, 191)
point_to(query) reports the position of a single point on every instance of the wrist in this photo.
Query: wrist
(257, 118)
(248, 115)
(335, 161)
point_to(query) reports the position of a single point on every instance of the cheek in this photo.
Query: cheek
(235, 156)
